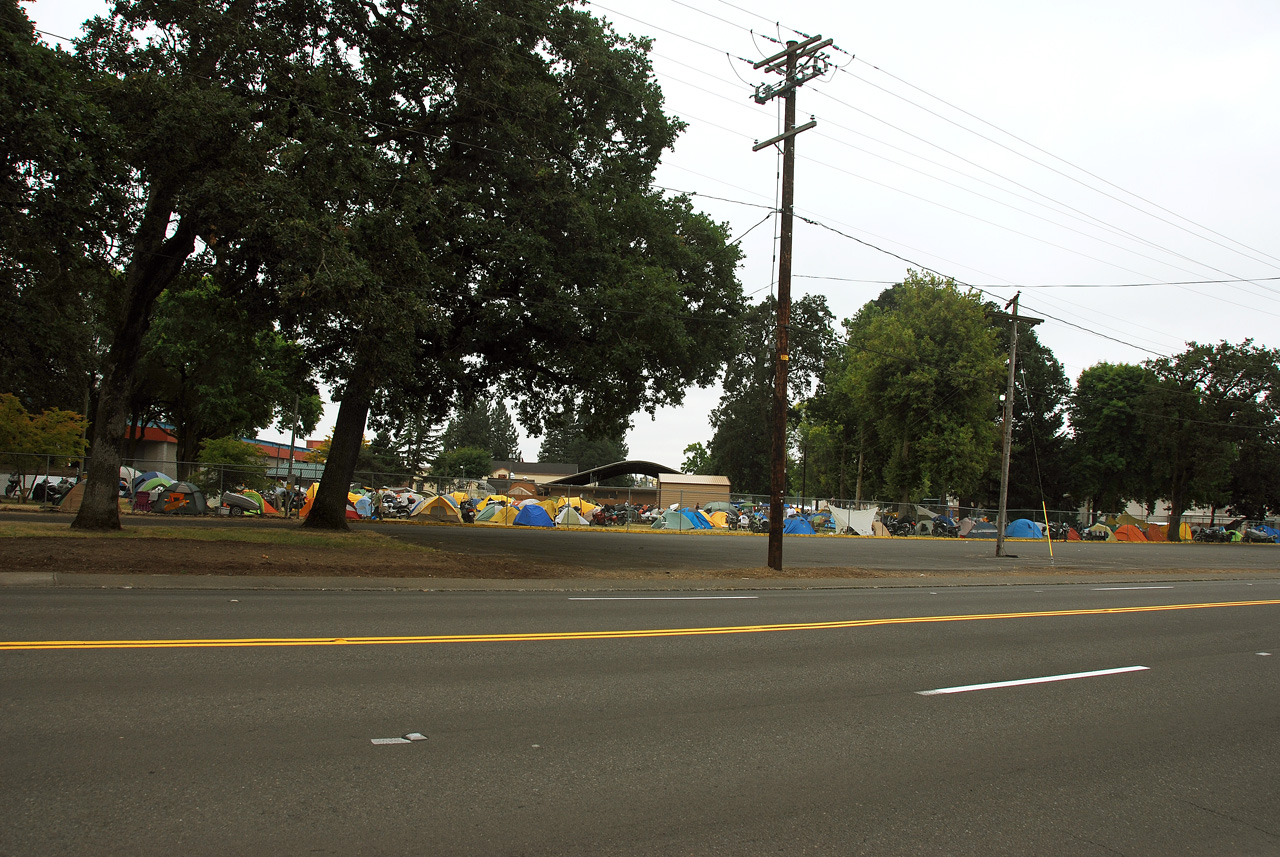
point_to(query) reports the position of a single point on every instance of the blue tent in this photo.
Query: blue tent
(699, 522)
(533, 515)
(364, 507)
(1023, 528)
(797, 526)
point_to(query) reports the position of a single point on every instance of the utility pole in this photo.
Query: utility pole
(1003, 514)
(800, 62)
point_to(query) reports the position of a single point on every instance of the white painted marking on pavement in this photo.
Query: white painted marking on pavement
(390, 741)
(673, 598)
(1265, 654)
(1122, 588)
(1041, 680)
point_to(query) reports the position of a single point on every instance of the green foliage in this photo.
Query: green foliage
(1109, 449)
(212, 368)
(56, 204)
(918, 381)
(696, 459)
(468, 462)
(230, 464)
(26, 439)
(485, 427)
(1206, 405)
(741, 445)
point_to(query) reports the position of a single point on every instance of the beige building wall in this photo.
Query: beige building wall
(688, 490)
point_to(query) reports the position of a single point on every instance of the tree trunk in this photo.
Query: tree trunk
(156, 261)
(329, 511)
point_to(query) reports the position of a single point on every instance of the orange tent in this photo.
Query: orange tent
(1157, 533)
(1129, 533)
(1072, 535)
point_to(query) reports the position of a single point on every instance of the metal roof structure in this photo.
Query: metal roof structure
(608, 471)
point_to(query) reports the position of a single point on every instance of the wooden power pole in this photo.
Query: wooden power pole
(800, 62)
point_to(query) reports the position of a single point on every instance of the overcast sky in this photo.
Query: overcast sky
(1010, 145)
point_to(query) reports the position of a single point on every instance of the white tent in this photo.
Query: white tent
(568, 516)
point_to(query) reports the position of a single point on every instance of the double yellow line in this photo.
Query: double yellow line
(257, 642)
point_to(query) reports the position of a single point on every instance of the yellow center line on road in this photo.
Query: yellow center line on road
(250, 642)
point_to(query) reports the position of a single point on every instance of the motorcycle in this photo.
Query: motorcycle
(14, 488)
(900, 526)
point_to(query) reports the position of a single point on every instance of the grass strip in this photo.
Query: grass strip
(282, 537)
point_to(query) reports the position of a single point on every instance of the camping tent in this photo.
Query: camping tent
(698, 520)
(879, 530)
(797, 526)
(673, 520)
(533, 516)
(568, 517)
(438, 509)
(982, 530)
(1023, 528)
(719, 519)
(1101, 530)
(182, 498)
(499, 515)
(1129, 533)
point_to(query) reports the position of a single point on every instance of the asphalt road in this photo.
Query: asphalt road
(582, 731)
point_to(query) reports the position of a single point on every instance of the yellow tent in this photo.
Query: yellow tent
(459, 496)
(718, 519)
(505, 515)
(493, 498)
(310, 499)
(584, 508)
(439, 509)
(549, 505)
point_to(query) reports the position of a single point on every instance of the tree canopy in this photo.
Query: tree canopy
(917, 381)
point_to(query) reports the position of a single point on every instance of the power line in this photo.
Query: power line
(1073, 166)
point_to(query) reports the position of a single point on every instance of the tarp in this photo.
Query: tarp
(533, 516)
(1127, 520)
(568, 517)
(1101, 530)
(500, 515)
(1023, 528)
(879, 530)
(848, 519)
(364, 506)
(182, 498)
(439, 509)
(1129, 533)
(797, 526)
